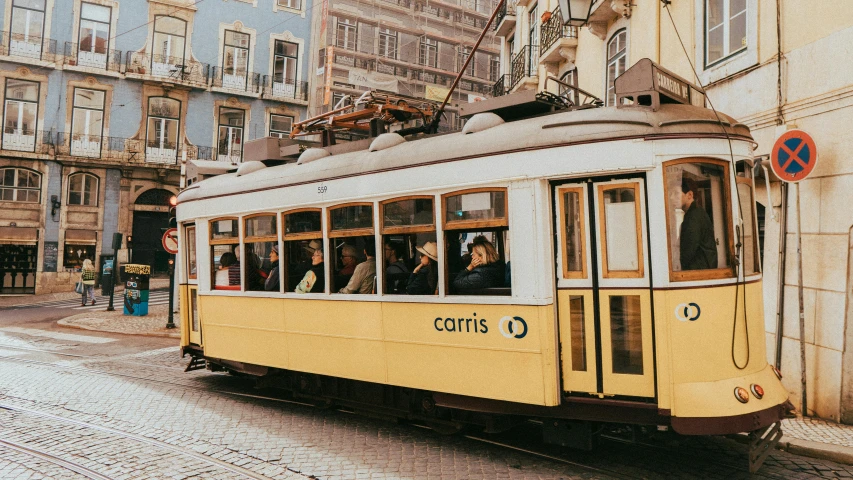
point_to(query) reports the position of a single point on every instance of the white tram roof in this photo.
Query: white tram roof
(556, 129)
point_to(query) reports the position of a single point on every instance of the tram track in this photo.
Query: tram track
(32, 452)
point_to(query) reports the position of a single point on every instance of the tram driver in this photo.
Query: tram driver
(696, 239)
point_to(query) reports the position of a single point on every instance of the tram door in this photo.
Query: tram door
(603, 297)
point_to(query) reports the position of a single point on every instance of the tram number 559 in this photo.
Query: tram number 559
(322, 189)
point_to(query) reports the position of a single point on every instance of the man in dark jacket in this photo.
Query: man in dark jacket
(272, 281)
(698, 246)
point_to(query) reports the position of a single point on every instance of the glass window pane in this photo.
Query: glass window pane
(281, 123)
(35, 4)
(33, 179)
(75, 198)
(626, 334)
(476, 206)
(27, 26)
(225, 266)
(8, 177)
(408, 212)
(259, 266)
(355, 265)
(304, 267)
(402, 255)
(75, 183)
(620, 219)
(223, 229)
(88, 98)
(572, 209)
(697, 216)
(170, 25)
(191, 256)
(358, 216)
(736, 7)
(22, 90)
(737, 33)
(301, 222)
(164, 107)
(194, 309)
(715, 9)
(748, 248)
(237, 39)
(578, 333)
(260, 226)
(231, 117)
(99, 13)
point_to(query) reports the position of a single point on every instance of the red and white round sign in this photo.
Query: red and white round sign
(170, 241)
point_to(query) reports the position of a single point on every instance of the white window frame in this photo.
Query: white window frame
(728, 15)
(16, 189)
(89, 183)
(349, 30)
(385, 48)
(734, 63)
(231, 132)
(462, 54)
(92, 56)
(25, 44)
(280, 133)
(621, 56)
(428, 52)
(85, 143)
(18, 139)
(292, 4)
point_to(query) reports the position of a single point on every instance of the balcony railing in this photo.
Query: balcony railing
(232, 154)
(523, 64)
(401, 3)
(501, 87)
(507, 8)
(20, 45)
(168, 69)
(228, 79)
(391, 69)
(553, 30)
(278, 87)
(97, 58)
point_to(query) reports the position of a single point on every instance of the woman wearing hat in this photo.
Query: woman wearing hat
(424, 279)
(272, 281)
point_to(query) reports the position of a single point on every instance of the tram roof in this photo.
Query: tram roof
(546, 131)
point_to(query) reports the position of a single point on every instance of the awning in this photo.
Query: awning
(81, 237)
(19, 235)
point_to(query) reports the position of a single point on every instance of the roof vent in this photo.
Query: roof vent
(481, 121)
(386, 140)
(311, 154)
(249, 167)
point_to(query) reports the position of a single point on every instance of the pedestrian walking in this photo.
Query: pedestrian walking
(88, 279)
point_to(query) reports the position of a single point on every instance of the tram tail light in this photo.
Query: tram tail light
(757, 391)
(741, 394)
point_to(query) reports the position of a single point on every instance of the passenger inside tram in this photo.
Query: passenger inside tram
(486, 269)
(348, 261)
(314, 279)
(396, 270)
(424, 278)
(272, 282)
(221, 278)
(363, 280)
(299, 260)
(697, 245)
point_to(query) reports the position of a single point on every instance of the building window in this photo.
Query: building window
(20, 115)
(617, 57)
(294, 4)
(94, 38)
(387, 43)
(725, 29)
(347, 34)
(235, 60)
(428, 52)
(570, 78)
(169, 45)
(494, 68)
(462, 55)
(27, 28)
(533, 30)
(83, 189)
(231, 134)
(161, 144)
(87, 123)
(352, 249)
(19, 185)
(285, 68)
(280, 125)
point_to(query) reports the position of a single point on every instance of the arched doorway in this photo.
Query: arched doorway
(150, 221)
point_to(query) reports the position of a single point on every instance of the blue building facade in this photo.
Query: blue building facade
(103, 104)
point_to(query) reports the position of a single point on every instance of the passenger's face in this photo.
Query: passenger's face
(348, 259)
(273, 257)
(389, 252)
(424, 260)
(317, 258)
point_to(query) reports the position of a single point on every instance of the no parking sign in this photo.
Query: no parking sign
(794, 156)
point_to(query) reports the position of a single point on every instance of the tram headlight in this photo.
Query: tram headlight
(777, 372)
(757, 391)
(741, 394)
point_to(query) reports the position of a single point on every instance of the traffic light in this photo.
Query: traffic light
(173, 216)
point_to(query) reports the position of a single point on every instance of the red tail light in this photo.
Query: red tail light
(741, 394)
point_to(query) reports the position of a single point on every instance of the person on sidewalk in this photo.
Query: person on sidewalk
(88, 279)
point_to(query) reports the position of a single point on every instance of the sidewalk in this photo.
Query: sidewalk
(151, 325)
(13, 300)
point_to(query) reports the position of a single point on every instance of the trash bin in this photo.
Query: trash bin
(107, 280)
(136, 289)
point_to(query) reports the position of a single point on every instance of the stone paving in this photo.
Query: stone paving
(153, 324)
(819, 430)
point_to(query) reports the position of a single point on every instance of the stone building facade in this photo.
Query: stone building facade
(104, 102)
(774, 65)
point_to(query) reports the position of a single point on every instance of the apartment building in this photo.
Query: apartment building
(774, 65)
(412, 48)
(105, 101)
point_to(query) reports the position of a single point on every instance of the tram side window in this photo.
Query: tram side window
(302, 261)
(192, 272)
(260, 264)
(224, 251)
(476, 240)
(697, 217)
(410, 256)
(750, 250)
(352, 249)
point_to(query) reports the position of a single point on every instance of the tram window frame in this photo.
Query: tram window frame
(753, 224)
(414, 235)
(234, 242)
(346, 233)
(499, 226)
(711, 273)
(299, 237)
(255, 239)
(564, 248)
(602, 218)
(191, 251)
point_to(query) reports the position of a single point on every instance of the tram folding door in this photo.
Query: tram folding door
(603, 293)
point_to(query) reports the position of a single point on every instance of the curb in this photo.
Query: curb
(823, 451)
(64, 323)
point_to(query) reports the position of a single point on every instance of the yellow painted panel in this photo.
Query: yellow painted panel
(475, 326)
(577, 380)
(641, 384)
(338, 357)
(717, 399)
(663, 352)
(702, 348)
(499, 375)
(249, 346)
(324, 317)
(245, 312)
(183, 306)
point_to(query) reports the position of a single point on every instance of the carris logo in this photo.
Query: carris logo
(512, 327)
(687, 312)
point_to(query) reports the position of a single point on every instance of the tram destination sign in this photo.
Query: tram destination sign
(794, 156)
(647, 84)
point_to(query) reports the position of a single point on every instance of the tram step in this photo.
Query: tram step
(197, 363)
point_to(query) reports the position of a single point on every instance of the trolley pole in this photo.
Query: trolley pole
(171, 322)
(802, 309)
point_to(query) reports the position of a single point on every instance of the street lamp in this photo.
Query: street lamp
(576, 12)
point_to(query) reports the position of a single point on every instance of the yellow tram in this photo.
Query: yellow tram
(603, 314)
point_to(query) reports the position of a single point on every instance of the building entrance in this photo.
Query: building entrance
(150, 221)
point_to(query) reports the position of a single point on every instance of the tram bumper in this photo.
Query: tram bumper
(746, 422)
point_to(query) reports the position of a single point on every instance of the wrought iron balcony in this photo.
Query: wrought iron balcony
(505, 20)
(280, 88)
(248, 83)
(92, 57)
(230, 153)
(24, 139)
(524, 64)
(167, 69)
(553, 31)
(27, 47)
(501, 87)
